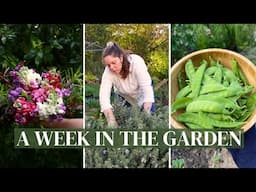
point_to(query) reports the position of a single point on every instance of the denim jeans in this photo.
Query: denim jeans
(246, 156)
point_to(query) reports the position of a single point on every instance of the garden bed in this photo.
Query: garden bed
(203, 158)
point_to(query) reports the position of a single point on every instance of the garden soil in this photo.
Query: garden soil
(204, 157)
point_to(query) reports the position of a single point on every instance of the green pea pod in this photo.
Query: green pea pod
(183, 92)
(211, 87)
(222, 124)
(180, 103)
(197, 80)
(208, 106)
(194, 118)
(207, 79)
(213, 62)
(229, 92)
(181, 80)
(193, 126)
(227, 103)
(229, 75)
(242, 77)
(251, 102)
(235, 67)
(189, 69)
(218, 74)
(210, 70)
(245, 116)
(225, 124)
(221, 117)
(238, 72)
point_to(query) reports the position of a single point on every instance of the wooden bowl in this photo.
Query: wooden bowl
(225, 57)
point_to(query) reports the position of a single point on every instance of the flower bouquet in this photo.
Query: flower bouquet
(35, 96)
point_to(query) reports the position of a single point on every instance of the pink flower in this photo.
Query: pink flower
(25, 110)
(39, 95)
(35, 96)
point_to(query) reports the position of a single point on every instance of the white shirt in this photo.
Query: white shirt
(136, 88)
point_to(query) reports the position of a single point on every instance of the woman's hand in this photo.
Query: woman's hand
(110, 118)
(65, 123)
(112, 123)
(147, 106)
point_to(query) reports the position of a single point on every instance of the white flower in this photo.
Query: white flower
(29, 76)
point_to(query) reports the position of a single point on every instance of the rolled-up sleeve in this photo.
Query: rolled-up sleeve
(105, 90)
(144, 79)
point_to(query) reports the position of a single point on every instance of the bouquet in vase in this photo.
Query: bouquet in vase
(35, 96)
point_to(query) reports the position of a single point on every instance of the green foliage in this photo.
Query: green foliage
(41, 45)
(129, 118)
(178, 163)
(250, 53)
(191, 37)
(89, 77)
(182, 41)
(96, 36)
(161, 92)
(75, 78)
(92, 95)
(159, 64)
(142, 39)
(74, 81)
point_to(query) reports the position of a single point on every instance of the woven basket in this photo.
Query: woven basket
(225, 57)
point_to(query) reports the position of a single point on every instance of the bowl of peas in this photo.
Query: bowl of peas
(213, 88)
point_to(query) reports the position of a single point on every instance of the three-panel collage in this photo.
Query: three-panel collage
(120, 96)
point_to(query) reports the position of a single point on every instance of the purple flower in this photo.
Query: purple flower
(59, 117)
(66, 92)
(63, 92)
(13, 94)
(36, 96)
(34, 84)
(62, 107)
(17, 68)
(13, 73)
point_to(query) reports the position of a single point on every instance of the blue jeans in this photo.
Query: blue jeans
(246, 157)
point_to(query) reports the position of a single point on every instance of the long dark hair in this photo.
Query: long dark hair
(114, 50)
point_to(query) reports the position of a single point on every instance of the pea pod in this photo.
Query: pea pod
(211, 87)
(251, 102)
(194, 118)
(218, 74)
(221, 117)
(197, 80)
(208, 106)
(229, 75)
(210, 70)
(193, 126)
(238, 72)
(214, 97)
(189, 69)
(181, 80)
(183, 92)
(222, 124)
(180, 103)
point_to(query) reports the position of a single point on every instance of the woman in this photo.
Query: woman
(129, 76)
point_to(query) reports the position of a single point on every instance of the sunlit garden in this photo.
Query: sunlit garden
(151, 42)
